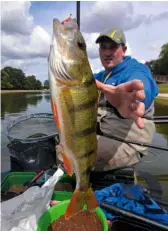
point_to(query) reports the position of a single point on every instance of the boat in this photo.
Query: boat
(150, 184)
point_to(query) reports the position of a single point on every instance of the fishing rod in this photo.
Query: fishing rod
(156, 119)
(160, 119)
(134, 142)
(78, 13)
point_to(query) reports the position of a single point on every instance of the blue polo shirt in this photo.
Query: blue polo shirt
(128, 70)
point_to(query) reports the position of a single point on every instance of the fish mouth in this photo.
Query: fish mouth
(64, 31)
(62, 42)
(65, 56)
(56, 21)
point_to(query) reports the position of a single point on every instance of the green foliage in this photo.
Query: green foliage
(164, 51)
(5, 83)
(46, 84)
(15, 79)
(31, 82)
(160, 65)
(38, 85)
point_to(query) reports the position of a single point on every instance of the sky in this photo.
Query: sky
(26, 30)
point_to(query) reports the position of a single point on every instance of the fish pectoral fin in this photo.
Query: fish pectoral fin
(63, 158)
(67, 165)
(55, 113)
(79, 199)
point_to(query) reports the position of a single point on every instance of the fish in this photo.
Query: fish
(74, 102)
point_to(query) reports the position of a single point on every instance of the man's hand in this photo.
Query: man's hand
(124, 97)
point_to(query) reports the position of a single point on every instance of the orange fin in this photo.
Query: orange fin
(62, 157)
(55, 112)
(67, 165)
(79, 199)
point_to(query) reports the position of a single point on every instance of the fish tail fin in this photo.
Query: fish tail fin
(79, 199)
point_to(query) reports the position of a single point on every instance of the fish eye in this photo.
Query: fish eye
(81, 45)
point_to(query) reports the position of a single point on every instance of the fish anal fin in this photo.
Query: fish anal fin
(79, 199)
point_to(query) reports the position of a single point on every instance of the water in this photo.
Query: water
(16, 105)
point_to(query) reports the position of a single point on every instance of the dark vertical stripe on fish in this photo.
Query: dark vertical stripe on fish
(86, 131)
(89, 83)
(83, 106)
(86, 155)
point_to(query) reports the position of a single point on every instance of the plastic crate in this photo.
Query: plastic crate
(61, 196)
(66, 179)
(16, 178)
(64, 195)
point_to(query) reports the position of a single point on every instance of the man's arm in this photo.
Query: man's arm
(124, 97)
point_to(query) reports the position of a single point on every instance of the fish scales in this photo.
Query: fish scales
(77, 122)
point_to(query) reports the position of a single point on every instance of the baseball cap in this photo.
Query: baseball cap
(116, 35)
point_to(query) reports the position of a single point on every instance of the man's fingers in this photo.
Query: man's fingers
(135, 95)
(140, 95)
(138, 108)
(133, 85)
(139, 122)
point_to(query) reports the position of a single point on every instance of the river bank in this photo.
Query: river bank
(162, 95)
(23, 91)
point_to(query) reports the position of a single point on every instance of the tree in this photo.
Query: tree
(164, 51)
(160, 65)
(150, 64)
(15, 77)
(46, 84)
(38, 85)
(12, 78)
(5, 83)
(30, 82)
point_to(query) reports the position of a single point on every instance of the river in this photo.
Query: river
(16, 105)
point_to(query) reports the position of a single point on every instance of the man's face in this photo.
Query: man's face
(111, 54)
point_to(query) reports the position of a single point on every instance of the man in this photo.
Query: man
(127, 90)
